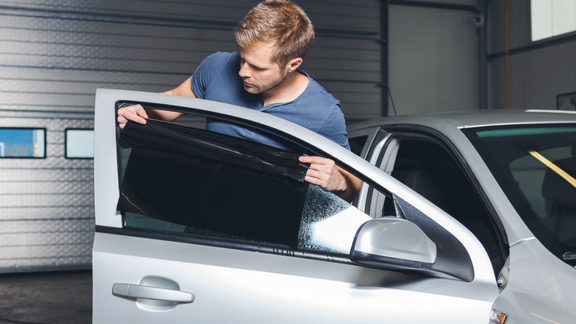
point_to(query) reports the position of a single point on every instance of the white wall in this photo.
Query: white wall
(433, 59)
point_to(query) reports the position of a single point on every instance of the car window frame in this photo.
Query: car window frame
(429, 134)
(370, 133)
(230, 242)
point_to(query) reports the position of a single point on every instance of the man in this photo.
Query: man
(273, 39)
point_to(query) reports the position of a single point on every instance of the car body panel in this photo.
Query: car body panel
(540, 287)
(250, 286)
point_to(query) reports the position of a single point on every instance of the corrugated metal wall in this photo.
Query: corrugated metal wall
(539, 71)
(433, 56)
(54, 54)
(46, 205)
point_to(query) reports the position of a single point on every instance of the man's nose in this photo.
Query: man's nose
(244, 71)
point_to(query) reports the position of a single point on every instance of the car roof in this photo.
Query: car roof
(470, 119)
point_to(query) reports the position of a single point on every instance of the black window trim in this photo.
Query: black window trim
(224, 243)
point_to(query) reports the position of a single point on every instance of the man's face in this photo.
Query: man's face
(258, 73)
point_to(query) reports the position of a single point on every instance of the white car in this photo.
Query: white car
(194, 226)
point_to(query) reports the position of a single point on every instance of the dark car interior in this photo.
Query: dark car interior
(431, 171)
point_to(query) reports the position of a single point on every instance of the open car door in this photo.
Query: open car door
(193, 225)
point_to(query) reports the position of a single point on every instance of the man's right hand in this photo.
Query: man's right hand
(134, 113)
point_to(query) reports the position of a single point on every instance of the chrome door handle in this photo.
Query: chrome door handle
(147, 292)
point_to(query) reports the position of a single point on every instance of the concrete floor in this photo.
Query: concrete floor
(46, 298)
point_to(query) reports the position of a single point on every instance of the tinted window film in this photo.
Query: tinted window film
(22, 143)
(191, 181)
(79, 143)
(212, 182)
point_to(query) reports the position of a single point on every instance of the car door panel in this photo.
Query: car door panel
(260, 284)
(249, 287)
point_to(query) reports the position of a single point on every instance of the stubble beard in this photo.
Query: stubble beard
(261, 88)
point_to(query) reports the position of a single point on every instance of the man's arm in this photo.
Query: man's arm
(326, 174)
(138, 114)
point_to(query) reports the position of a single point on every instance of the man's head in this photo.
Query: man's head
(279, 23)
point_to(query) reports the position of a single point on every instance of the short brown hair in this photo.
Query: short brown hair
(279, 22)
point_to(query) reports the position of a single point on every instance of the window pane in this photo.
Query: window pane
(329, 223)
(564, 16)
(541, 12)
(22, 143)
(79, 143)
(211, 184)
(188, 180)
(536, 168)
(552, 17)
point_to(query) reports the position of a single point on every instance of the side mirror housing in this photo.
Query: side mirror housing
(393, 243)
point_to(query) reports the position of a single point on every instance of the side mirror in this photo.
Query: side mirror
(393, 243)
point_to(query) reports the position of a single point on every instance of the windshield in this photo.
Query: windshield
(536, 168)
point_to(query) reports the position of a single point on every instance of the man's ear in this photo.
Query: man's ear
(293, 64)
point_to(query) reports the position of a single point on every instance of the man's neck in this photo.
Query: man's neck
(290, 89)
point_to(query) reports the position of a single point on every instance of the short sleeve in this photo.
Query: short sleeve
(335, 127)
(205, 72)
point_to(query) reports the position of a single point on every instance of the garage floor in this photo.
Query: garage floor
(46, 298)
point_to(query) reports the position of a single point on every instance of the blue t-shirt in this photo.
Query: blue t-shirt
(217, 79)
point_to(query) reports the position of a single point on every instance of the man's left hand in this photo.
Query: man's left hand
(324, 173)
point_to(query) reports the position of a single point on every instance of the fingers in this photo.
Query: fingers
(134, 113)
(319, 164)
(314, 159)
(324, 173)
(312, 180)
(313, 174)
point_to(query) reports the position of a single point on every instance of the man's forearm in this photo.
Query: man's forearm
(163, 114)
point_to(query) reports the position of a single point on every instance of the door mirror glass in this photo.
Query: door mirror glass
(393, 242)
